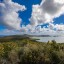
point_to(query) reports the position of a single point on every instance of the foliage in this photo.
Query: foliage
(28, 51)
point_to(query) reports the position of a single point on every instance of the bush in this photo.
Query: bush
(27, 51)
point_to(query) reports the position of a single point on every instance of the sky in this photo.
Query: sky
(32, 17)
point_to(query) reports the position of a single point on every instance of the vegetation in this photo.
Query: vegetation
(28, 51)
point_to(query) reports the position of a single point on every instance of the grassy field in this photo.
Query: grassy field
(27, 51)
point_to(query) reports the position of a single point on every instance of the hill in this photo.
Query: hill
(19, 49)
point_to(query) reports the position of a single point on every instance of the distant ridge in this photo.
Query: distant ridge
(27, 35)
(1, 35)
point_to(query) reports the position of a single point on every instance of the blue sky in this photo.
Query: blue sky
(59, 20)
(17, 13)
(25, 15)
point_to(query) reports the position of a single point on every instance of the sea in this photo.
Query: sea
(59, 39)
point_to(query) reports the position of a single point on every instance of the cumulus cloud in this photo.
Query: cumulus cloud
(9, 16)
(46, 11)
(10, 32)
(57, 27)
(41, 14)
(28, 28)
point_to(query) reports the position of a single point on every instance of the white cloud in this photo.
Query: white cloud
(46, 11)
(9, 32)
(59, 1)
(38, 16)
(57, 27)
(28, 28)
(9, 14)
(52, 7)
(41, 14)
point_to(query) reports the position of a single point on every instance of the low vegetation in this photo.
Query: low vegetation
(28, 51)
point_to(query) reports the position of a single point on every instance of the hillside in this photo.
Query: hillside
(23, 50)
